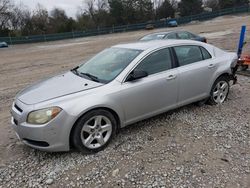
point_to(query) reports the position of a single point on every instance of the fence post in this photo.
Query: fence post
(10, 39)
(44, 36)
(113, 28)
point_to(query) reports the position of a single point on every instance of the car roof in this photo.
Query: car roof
(167, 32)
(160, 33)
(154, 44)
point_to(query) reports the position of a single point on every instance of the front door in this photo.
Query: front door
(153, 94)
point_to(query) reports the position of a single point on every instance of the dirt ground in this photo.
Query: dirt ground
(165, 151)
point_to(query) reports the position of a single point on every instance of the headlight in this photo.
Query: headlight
(43, 116)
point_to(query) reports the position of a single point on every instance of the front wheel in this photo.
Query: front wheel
(94, 131)
(219, 91)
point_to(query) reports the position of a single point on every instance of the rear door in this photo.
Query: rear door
(153, 94)
(196, 68)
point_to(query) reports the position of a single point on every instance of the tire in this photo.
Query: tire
(219, 91)
(94, 131)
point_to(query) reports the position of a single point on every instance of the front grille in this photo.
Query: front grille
(18, 108)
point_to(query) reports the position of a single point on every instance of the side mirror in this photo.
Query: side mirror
(136, 74)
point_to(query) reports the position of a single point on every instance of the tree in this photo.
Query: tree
(131, 11)
(95, 13)
(241, 2)
(190, 7)
(144, 10)
(117, 11)
(84, 21)
(214, 4)
(226, 3)
(165, 10)
(40, 20)
(5, 14)
(19, 16)
(58, 21)
(232, 3)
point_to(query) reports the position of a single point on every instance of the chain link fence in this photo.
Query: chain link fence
(123, 28)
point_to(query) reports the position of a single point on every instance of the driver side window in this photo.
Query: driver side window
(156, 62)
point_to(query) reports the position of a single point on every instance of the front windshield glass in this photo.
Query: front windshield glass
(108, 64)
(152, 37)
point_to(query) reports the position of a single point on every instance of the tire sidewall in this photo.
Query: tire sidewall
(222, 78)
(76, 136)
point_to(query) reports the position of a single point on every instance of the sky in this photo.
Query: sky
(70, 6)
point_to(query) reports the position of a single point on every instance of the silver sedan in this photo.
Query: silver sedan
(84, 107)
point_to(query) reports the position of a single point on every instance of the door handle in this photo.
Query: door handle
(171, 77)
(211, 66)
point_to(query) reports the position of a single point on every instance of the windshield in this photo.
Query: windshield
(108, 64)
(152, 37)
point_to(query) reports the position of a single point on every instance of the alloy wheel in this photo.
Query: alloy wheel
(220, 92)
(96, 132)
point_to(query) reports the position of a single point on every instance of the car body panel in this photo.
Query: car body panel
(147, 96)
(193, 75)
(3, 45)
(130, 101)
(165, 35)
(38, 92)
(172, 23)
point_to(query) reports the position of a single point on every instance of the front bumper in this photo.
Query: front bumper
(52, 137)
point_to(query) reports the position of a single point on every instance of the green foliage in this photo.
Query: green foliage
(190, 7)
(231, 3)
(130, 11)
(98, 14)
(117, 11)
(165, 10)
(226, 3)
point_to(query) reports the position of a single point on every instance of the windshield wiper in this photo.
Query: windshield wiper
(74, 70)
(82, 74)
(92, 77)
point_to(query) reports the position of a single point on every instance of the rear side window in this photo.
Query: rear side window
(188, 54)
(171, 36)
(205, 53)
(156, 62)
(184, 35)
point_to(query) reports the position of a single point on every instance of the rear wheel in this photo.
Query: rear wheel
(219, 91)
(94, 131)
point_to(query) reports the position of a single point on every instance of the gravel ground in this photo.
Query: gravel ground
(192, 146)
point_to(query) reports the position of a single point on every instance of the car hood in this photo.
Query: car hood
(58, 86)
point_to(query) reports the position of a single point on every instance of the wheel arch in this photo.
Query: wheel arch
(113, 112)
(225, 74)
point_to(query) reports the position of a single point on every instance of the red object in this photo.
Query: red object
(244, 60)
